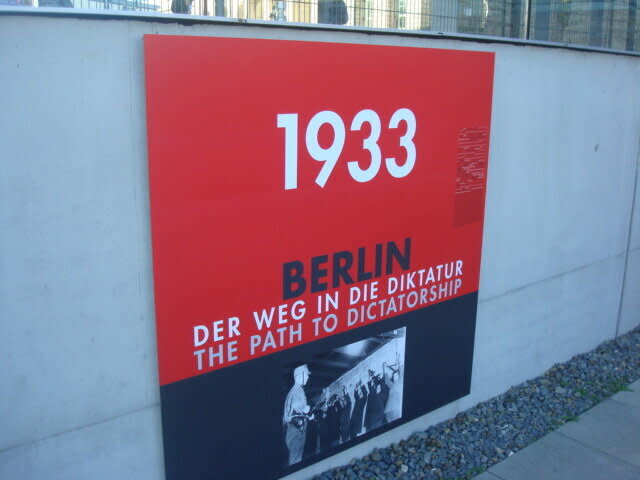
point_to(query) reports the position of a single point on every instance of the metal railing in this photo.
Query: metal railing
(609, 24)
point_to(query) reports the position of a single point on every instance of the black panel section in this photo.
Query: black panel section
(227, 424)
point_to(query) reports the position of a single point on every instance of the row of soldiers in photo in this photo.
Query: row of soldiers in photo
(339, 417)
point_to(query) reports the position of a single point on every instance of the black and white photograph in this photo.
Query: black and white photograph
(341, 394)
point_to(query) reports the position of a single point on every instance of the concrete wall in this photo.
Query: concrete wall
(78, 385)
(630, 301)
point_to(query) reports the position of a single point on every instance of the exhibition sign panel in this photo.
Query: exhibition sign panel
(316, 213)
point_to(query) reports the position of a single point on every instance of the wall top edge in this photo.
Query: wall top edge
(183, 19)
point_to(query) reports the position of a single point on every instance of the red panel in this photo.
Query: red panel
(223, 223)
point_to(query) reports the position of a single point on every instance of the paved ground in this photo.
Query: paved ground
(602, 444)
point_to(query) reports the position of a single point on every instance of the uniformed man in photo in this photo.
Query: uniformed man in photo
(296, 415)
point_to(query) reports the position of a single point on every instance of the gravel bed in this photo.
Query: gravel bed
(465, 446)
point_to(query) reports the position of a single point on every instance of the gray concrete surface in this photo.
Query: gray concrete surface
(611, 427)
(128, 447)
(77, 335)
(603, 444)
(631, 396)
(486, 476)
(631, 296)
